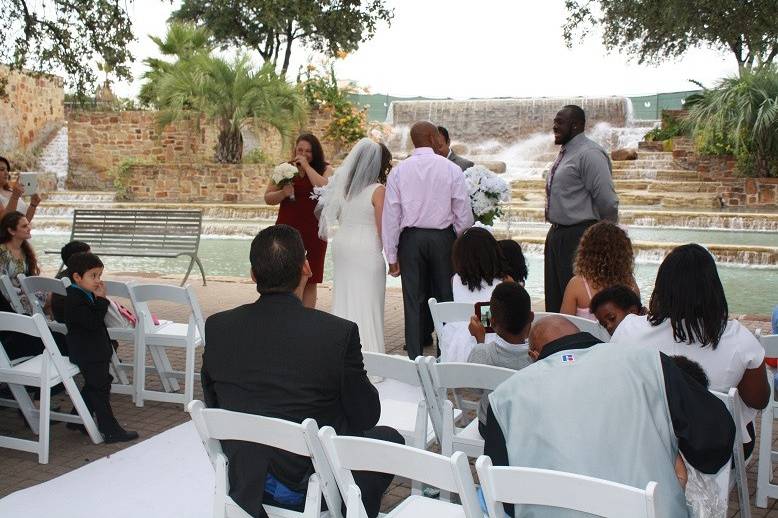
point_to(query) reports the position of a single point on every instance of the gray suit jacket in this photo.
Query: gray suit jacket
(464, 163)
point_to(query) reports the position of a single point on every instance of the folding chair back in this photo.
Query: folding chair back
(347, 454)
(170, 334)
(34, 284)
(764, 486)
(44, 371)
(583, 324)
(214, 425)
(11, 295)
(530, 486)
(738, 473)
(446, 312)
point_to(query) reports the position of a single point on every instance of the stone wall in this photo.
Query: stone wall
(99, 141)
(186, 183)
(34, 106)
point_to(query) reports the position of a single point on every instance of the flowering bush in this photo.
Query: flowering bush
(486, 191)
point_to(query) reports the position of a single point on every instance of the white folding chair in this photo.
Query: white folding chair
(447, 312)
(531, 486)
(438, 379)
(11, 295)
(214, 425)
(767, 456)
(118, 289)
(583, 324)
(187, 336)
(34, 284)
(43, 371)
(347, 454)
(737, 475)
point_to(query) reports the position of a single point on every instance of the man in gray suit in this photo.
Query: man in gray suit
(445, 150)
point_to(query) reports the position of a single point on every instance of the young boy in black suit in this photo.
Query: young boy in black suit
(89, 344)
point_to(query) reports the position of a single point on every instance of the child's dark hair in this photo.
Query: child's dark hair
(693, 369)
(619, 295)
(511, 306)
(81, 263)
(517, 264)
(72, 248)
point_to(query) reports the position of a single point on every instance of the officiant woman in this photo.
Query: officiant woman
(296, 205)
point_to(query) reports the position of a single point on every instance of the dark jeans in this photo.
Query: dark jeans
(425, 271)
(559, 253)
(97, 394)
(372, 485)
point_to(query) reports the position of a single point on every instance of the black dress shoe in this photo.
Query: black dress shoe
(77, 426)
(120, 435)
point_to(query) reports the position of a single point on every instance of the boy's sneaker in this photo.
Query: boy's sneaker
(120, 435)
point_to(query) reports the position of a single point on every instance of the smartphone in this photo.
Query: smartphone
(483, 311)
(30, 182)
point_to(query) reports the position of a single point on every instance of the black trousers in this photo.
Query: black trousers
(425, 271)
(97, 394)
(559, 253)
(372, 485)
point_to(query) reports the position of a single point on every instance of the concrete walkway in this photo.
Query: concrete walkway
(70, 450)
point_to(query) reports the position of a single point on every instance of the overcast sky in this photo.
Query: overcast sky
(483, 48)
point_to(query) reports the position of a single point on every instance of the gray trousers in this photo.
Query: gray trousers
(425, 271)
(559, 254)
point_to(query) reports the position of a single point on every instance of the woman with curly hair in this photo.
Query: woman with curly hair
(604, 258)
(479, 266)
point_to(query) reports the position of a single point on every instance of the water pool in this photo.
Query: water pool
(749, 289)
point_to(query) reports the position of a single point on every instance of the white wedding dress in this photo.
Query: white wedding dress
(359, 282)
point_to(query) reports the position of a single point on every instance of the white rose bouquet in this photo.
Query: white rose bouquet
(283, 174)
(486, 191)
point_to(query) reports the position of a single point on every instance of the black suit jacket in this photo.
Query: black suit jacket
(462, 162)
(87, 337)
(277, 358)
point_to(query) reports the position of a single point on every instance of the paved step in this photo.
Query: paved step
(656, 174)
(80, 197)
(520, 186)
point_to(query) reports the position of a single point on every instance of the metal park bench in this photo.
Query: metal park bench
(140, 233)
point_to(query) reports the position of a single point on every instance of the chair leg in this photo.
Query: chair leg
(120, 374)
(765, 461)
(162, 363)
(189, 374)
(139, 374)
(44, 423)
(83, 412)
(26, 406)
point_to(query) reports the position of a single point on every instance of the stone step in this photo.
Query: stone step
(656, 174)
(718, 220)
(519, 186)
(81, 196)
(537, 198)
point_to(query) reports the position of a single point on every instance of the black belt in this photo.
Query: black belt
(556, 226)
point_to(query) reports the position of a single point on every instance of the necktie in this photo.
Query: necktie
(551, 178)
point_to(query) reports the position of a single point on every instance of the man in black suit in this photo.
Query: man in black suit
(445, 150)
(276, 358)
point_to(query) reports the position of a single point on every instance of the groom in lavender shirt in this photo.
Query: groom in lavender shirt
(426, 207)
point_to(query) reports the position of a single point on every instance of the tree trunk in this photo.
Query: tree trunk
(288, 53)
(229, 149)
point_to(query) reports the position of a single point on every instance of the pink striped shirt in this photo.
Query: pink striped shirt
(424, 191)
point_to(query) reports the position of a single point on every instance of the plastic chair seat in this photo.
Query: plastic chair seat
(30, 371)
(171, 334)
(401, 415)
(469, 432)
(425, 507)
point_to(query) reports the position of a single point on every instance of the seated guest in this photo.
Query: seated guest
(616, 412)
(511, 321)
(688, 315)
(517, 264)
(604, 258)
(611, 305)
(89, 345)
(57, 303)
(479, 266)
(17, 256)
(276, 358)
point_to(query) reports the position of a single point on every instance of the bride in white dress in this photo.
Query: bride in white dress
(351, 209)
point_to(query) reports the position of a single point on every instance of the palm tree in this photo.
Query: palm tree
(231, 94)
(745, 109)
(182, 42)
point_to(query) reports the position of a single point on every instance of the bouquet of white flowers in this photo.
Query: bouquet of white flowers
(283, 174)
(486, 191)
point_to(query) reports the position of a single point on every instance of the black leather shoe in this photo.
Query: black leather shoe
(120, 435)
(77, 426)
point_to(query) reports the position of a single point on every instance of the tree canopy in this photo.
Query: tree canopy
(66, 35)
(271, 27)
(652, 30)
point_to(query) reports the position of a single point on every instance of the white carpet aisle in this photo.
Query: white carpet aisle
(166, 476)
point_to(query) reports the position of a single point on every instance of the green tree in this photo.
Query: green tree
(272, 27)
(742, 111)
(183, 41)
(652, 30)
(230, 94)
(66, 35)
